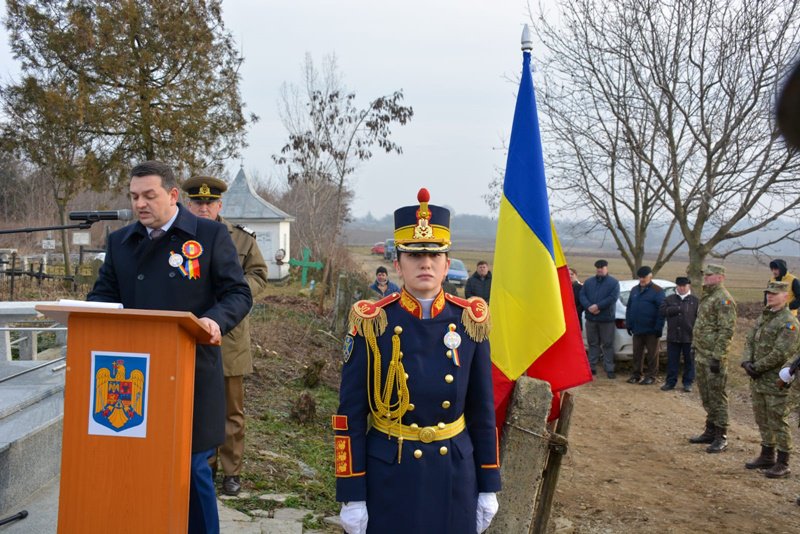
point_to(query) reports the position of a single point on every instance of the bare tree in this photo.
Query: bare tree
(45, 127)
(661, 112)
(329, 137)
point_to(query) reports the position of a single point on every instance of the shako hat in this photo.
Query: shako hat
(423, 227)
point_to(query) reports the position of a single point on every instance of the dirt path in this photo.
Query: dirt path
(630, 468)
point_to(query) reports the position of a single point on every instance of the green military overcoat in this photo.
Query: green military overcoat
(237, 358)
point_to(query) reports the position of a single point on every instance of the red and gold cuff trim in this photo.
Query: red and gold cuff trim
(339, 422)
(344, 458)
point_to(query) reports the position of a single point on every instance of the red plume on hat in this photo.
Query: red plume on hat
(423, 197)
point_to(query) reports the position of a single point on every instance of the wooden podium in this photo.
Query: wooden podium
(128, 403)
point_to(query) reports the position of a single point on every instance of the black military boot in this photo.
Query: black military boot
(720, 442)
(781, 467)
(706, 437)
(765, 460)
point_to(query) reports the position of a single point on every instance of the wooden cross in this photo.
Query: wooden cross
(305, 264)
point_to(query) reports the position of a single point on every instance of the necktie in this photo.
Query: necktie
(155, 234)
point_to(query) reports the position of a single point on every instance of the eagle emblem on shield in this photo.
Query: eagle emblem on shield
(118, 393)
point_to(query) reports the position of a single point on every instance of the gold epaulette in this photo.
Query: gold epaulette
(369, 314)
(475, 316)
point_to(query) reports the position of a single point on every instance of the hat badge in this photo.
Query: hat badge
(423, 230)
(204, 190)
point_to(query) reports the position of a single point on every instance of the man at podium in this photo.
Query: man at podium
(173, 260)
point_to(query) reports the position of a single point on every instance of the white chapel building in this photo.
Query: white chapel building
(242, 205)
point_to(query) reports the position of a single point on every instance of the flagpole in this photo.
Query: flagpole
(527, 42)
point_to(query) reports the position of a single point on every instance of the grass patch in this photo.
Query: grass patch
(282, 455)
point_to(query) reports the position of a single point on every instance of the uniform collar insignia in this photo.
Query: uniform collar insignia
(410, 304)
(438, 304)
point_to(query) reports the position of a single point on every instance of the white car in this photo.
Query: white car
(623, 342)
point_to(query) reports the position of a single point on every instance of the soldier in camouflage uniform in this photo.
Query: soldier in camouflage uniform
(773, 340)
(713, 332)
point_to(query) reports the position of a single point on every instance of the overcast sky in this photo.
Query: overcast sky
(451, 58)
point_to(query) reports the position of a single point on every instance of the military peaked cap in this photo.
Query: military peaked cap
(204, 188)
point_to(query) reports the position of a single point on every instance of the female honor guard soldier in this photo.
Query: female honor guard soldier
(416, 448)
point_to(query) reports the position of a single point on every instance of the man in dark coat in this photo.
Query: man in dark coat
(382, 285)
(680, 310)
(416, 444)
(172, 260)
(645, 324)
(480, 283)
(598, 297)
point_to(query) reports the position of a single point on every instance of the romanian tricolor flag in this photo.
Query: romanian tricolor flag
(535, 327)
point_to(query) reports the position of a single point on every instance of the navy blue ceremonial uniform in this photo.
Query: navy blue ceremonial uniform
(137, 273)
(429, 485)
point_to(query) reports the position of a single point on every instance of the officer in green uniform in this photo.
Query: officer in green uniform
(773, 340)
(713, 331)
(205, 200)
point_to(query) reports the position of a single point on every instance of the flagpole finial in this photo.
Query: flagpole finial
(527, 42)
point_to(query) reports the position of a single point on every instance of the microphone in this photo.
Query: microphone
(94, 216)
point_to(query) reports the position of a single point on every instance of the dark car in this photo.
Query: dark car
(457, 273)
(378, 248)
(389, 252)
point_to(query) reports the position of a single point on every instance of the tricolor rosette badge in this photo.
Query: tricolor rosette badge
(191, 250)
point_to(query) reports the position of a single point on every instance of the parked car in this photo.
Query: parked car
(378, 248)
(389, 252)
(623, 342)
(457, 273)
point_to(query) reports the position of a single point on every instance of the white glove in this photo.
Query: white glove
(785, 376)
(354, 517)
(487, 507)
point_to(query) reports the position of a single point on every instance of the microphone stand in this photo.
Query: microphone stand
(82, 225)
(16, 517)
